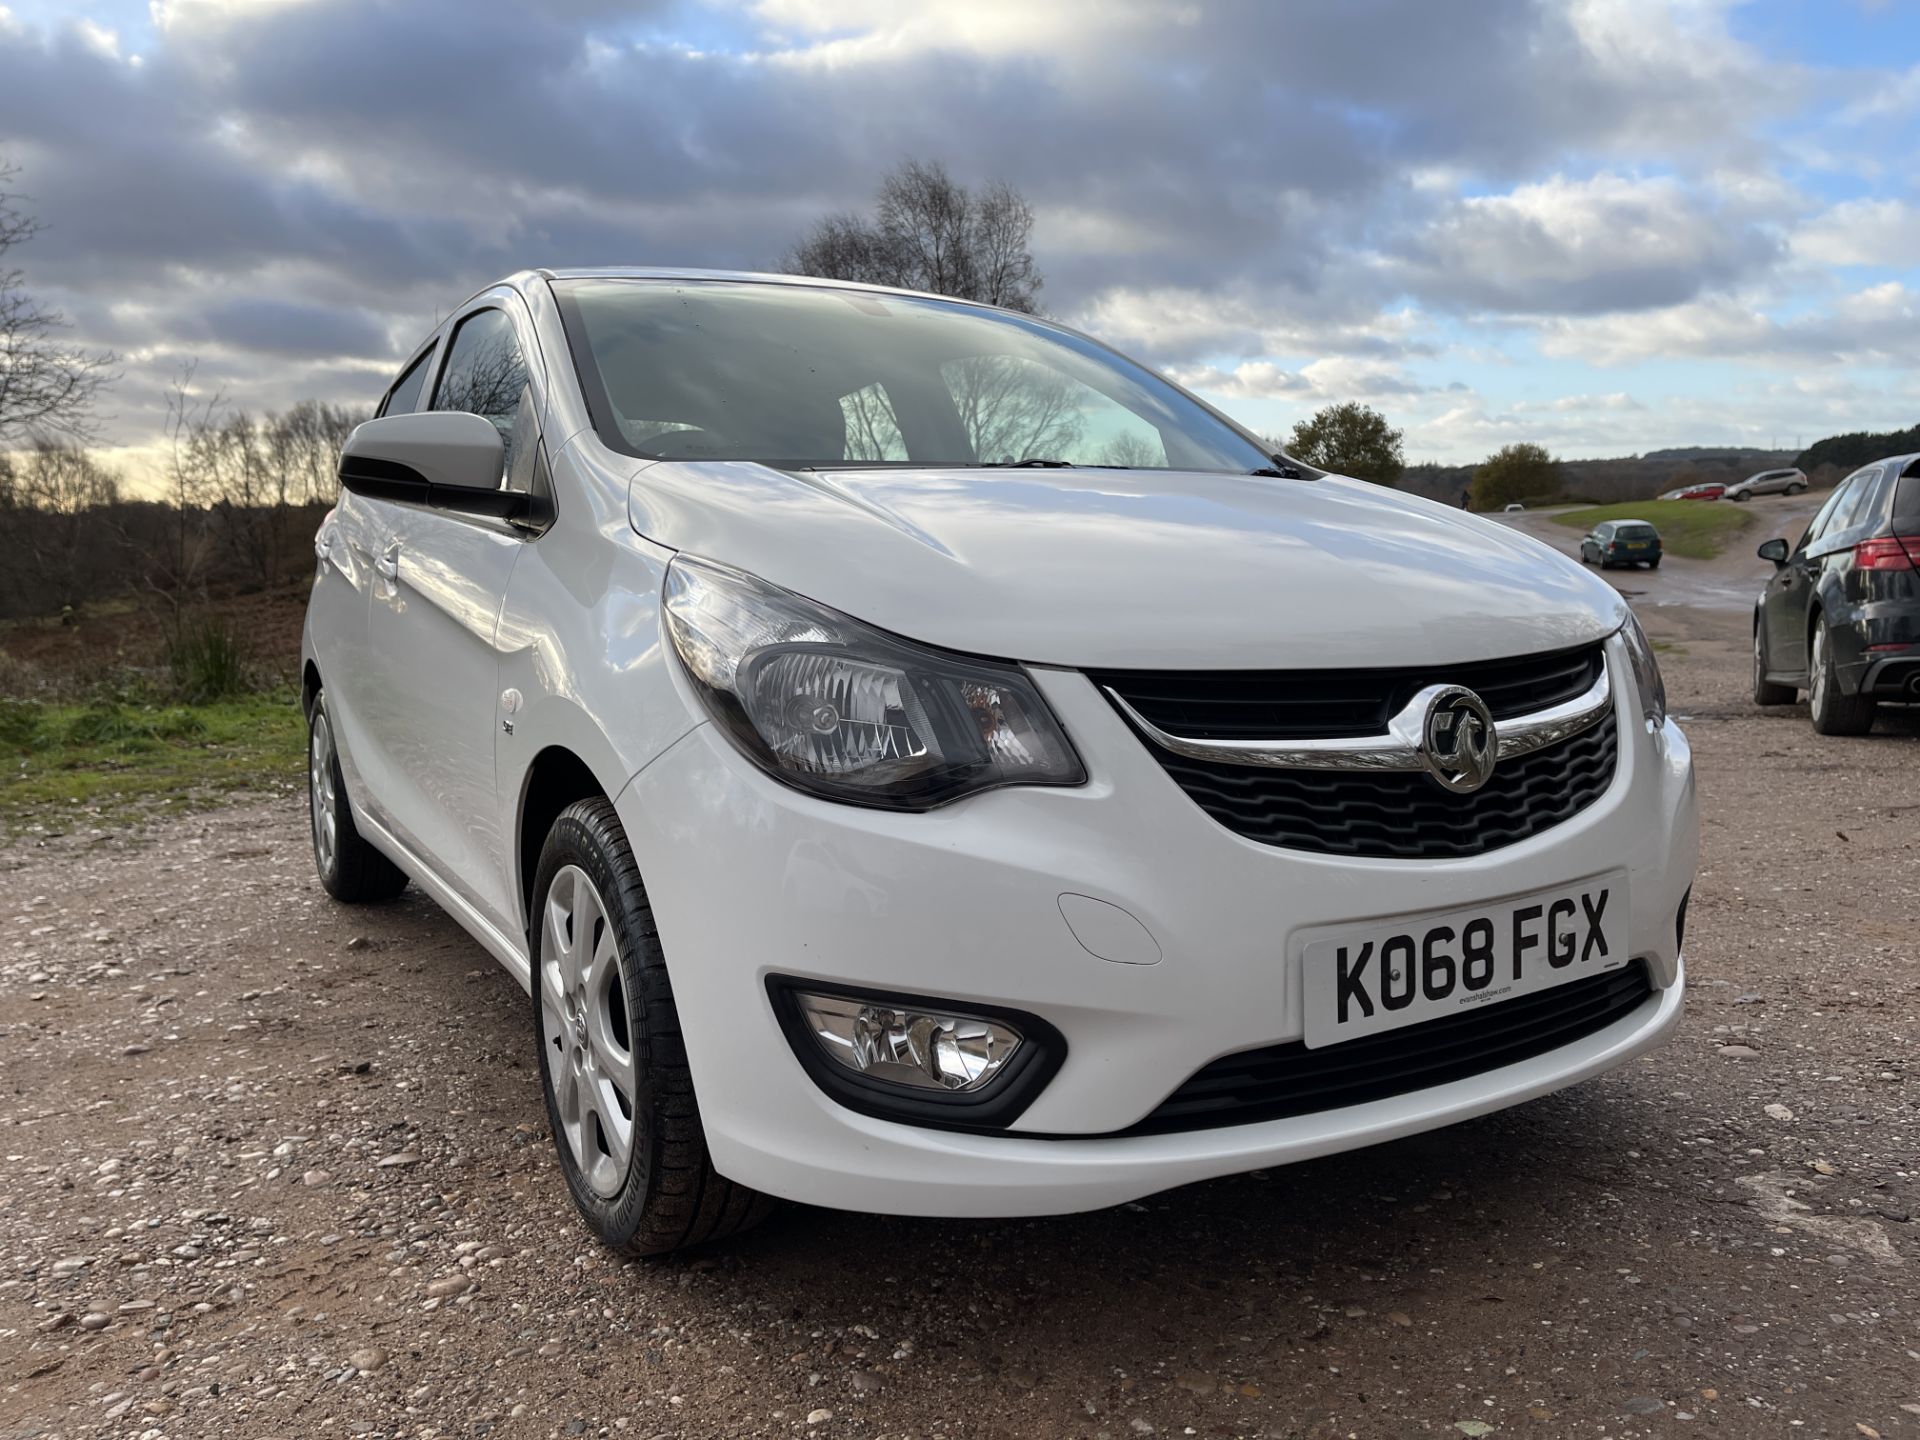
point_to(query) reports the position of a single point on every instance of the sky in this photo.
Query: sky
(1608, 226)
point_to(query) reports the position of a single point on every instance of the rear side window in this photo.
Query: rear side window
(1858, 504)
(404, 398)
(485, 374)
(1823, 522)
(1906, 499)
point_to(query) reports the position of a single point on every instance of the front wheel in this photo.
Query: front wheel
(1742, 497)
(1796, 489)
(619, 1093)
(1833, 712)
(350, 869)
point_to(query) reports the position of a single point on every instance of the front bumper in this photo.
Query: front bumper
(748, 878)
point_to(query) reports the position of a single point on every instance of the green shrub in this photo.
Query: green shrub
(208, 659)
(19, 724)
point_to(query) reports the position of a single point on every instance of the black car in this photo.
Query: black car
(1841, 617)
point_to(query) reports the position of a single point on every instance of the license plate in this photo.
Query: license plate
(1381, 977)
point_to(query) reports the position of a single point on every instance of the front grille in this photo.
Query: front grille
(1284, 1080)
(1302, 704)
(1379, 814)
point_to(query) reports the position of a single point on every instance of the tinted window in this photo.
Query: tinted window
(485, 374)
(1906, 500)
(798, 376)
(1856, 504)
(404, 398)
(1634, 532)
(1842, 495)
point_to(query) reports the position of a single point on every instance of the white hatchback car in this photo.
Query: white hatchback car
(920, 761)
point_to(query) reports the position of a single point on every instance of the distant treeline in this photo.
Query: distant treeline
(1850, 452)
(1608, 482)
(240, 499)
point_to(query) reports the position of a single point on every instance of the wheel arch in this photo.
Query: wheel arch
(309, 687)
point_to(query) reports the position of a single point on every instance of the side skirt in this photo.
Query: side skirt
(497, 944)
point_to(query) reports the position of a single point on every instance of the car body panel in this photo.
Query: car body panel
(1103, 568)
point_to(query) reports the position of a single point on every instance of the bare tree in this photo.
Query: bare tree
(47, 386)
(928, 232)
(71, 491)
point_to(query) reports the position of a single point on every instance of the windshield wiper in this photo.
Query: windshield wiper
(1032, 462)
(1278, 472)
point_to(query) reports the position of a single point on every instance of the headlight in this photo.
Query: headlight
(1646, 672)
(832, 706)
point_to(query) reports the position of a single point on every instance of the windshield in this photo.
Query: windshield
(800, 376)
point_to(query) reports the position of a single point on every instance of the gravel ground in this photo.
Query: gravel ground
(273, 1167)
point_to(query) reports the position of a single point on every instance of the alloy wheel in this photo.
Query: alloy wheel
(321, 792)
(1817, 678)
(587, 1031)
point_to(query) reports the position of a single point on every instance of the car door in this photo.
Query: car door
(440, 579)
(1595, 543)
(1784, 602)
(344, 549)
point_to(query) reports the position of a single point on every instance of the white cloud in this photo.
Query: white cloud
(1606, 242)
(1862, 232)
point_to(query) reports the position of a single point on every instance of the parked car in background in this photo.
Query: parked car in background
(1767, 482)
(1621, 542)
(1513, 507)
(1711, 490)
(707, 647)
(1840, 618)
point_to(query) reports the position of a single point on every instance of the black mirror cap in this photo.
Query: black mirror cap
(1774, 550)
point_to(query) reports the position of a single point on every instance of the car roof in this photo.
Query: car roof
(524, 279)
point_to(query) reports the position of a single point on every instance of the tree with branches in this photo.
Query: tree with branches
(929, 232)
(47, 385)
(1350, 439)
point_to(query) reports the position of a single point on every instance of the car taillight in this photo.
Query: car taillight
(1888, 552)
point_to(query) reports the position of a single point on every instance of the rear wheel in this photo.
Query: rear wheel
(1653, 564)
(1742, 496)
(1834, 713)
(350, 869)
(1765, 692)
(1796, 489)
(619, 1092)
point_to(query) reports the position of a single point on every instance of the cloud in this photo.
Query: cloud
(1862, 232)
(1293, 201)
(1605, 243)
(1876, 325)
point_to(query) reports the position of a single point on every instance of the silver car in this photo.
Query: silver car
(1767, 482)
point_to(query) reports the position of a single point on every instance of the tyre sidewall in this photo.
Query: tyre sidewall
(579, 840)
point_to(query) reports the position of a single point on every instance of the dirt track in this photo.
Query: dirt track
(291, 1161)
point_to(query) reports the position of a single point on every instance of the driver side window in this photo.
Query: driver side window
(485, 375)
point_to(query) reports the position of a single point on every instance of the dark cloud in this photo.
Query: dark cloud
(312, 182)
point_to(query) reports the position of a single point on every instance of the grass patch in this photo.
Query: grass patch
(114, 758)
(1699, 529)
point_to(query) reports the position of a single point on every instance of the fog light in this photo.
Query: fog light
(922, 1050)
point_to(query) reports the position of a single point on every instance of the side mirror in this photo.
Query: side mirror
(1774, 550)
(440, 449)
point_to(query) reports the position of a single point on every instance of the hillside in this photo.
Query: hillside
(1849, 452)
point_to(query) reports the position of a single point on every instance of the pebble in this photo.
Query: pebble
(367, 1360)
(404, 1157)
(819, 1417)
(1739, 1052)
(315, 1177)
(1778, 1112)
(1643, 1405)
(450, 1285)
(94, 1320)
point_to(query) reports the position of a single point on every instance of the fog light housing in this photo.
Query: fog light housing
(927, 1061)
(927, 1051)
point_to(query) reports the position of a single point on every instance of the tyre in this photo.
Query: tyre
(620, 1099)
(1653, 564)
(1765, 692)
(350, 869)
(1833, 713)
(1796, 489)
(1742, 497)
